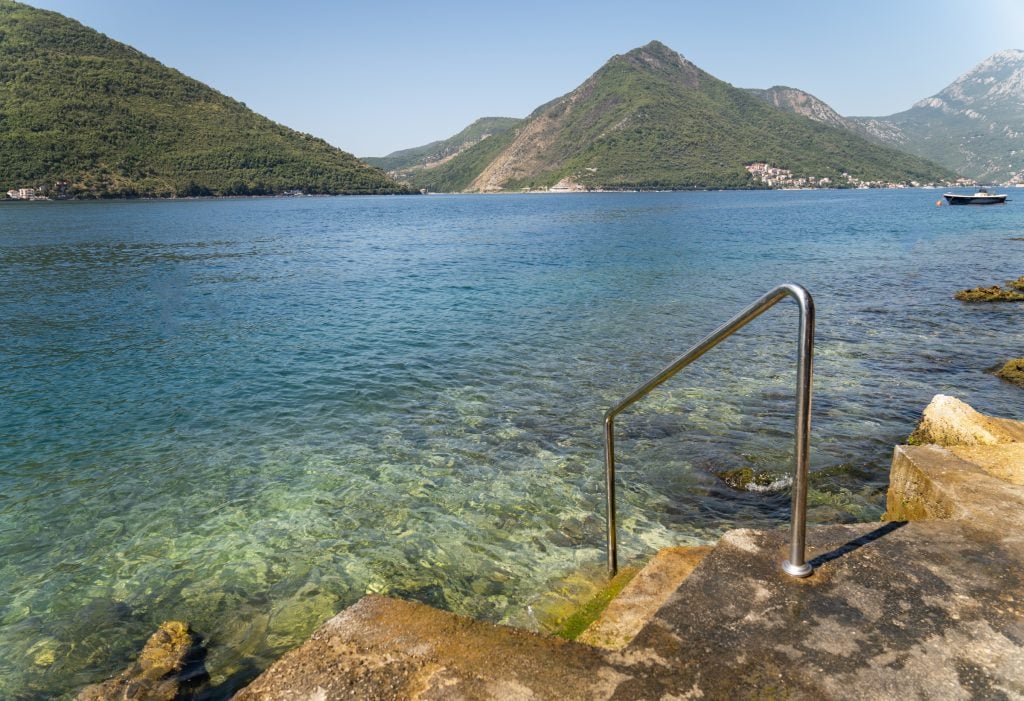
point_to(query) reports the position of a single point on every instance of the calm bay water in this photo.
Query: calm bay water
(249, 413)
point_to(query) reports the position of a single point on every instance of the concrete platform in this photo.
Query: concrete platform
(898, 610)
(920, 609)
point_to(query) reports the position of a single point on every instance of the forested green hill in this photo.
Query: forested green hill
(652, 119)
(426, 156)
(79, 107)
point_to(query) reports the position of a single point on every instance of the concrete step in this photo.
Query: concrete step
(637, 604)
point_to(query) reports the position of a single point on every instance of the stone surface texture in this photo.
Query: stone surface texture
(921, 610)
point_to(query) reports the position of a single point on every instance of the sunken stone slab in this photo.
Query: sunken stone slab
(382, 648)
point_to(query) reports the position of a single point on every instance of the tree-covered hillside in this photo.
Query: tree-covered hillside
(79, 107)
(652, 119)
(425, 156)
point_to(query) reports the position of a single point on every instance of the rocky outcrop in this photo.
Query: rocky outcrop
(802, 103)
(745, 479)
(995, 293)
(170, 661)
(947, 421)
(966, 466)
(1012, 371)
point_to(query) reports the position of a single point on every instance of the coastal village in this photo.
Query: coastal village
(782, 178)
(59, 191)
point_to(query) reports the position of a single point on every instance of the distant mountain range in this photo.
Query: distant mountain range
(975, 126)
(651, 119)
(79, 108)
(96, 118)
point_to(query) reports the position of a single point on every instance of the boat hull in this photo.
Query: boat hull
(975, 199)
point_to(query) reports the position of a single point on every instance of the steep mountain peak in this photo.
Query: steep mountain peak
(655, 49)
(649, 118)
(975, 125)
(998, 78)
(658, 58)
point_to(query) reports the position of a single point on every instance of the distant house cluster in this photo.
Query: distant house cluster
(783, 178)
(59, 191)
(24, 193)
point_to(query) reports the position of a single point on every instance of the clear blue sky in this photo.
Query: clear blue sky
(374, 77)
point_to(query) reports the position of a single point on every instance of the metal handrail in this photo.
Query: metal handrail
(796, 565)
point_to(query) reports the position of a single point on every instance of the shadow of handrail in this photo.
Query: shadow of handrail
(857, 543)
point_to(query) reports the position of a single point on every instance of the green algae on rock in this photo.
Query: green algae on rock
(995, 293)
(1017, 284)
(745, 479)
(574, 625)
(158, 675)
(1012, 371)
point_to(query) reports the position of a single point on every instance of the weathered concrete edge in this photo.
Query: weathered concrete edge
(932, 482)
(647, 592)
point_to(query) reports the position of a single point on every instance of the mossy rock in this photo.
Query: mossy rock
(995, 293)
(166, 650)
(1012, 371)
(160, 672)
(745, 479)
(1017, 284)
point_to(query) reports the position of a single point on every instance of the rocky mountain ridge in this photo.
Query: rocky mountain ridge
(975, 125)
(406, 162)
(651, 119)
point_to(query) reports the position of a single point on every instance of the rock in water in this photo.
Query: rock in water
(995, 293)
(1012, 371)
(159, 673)
(166, 650)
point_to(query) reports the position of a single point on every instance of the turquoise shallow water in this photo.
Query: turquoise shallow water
(249, 413)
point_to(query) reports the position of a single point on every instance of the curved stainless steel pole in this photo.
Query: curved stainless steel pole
(795, 565)
(609, 467)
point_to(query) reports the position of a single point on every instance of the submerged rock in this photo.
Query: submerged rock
(1012, 371)
(995, 293)
(171, 659)
(745, 479)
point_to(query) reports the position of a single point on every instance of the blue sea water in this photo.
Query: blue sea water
(249, 413)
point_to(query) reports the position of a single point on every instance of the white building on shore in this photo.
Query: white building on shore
(22, 193)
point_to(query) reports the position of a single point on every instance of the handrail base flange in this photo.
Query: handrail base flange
(803, 570)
